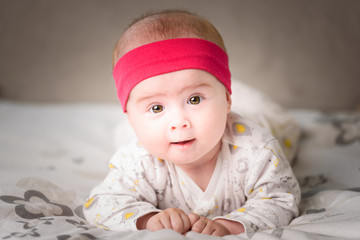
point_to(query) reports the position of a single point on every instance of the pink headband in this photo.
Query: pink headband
(168, 56)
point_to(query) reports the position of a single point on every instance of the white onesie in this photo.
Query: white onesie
(252, 183)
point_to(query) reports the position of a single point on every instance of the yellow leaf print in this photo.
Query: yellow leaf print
(241, 209)
(88, 203)
(128, 215)
(240, 128)
(111, 166)
(276, 163)
(101, 226)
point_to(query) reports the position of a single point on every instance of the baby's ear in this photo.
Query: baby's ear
(228, 99)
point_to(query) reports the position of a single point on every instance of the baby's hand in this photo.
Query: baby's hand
(171, 218)
(206, 226)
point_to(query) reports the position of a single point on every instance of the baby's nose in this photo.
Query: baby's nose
(180, 124)
(184, 125)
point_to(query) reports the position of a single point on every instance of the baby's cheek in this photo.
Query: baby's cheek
(152, 140)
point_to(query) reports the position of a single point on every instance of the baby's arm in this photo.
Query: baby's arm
(272, 192)
(233, 226)
(124, 196)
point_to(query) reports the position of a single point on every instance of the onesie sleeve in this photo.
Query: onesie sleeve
(271, 190)
(124, 195)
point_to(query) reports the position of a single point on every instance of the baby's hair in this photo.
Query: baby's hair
(163, 25)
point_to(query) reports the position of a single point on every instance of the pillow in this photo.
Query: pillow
(256, 106)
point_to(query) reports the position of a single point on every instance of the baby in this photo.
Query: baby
(196, 166)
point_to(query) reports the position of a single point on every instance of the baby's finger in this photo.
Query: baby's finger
(209, 227)
(186, 222)
(154, 223)
(165, 221)
(177, 223)
(193, 218)
(199, 225)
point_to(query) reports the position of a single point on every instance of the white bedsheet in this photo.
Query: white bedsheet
(51, 155)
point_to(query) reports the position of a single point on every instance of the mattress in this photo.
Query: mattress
(52, 155)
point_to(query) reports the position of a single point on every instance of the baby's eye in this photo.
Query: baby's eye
(195, 100)
(157, 108)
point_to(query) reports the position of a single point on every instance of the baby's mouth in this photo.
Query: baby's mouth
(185, 142)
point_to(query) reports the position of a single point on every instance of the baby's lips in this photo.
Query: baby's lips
(183, 142)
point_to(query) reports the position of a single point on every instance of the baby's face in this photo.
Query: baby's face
(180, 116)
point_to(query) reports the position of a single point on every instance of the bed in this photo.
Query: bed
(51, 155)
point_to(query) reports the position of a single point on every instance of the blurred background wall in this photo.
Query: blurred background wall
(302, 53)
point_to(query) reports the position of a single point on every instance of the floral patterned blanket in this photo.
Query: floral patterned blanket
(51, 155)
